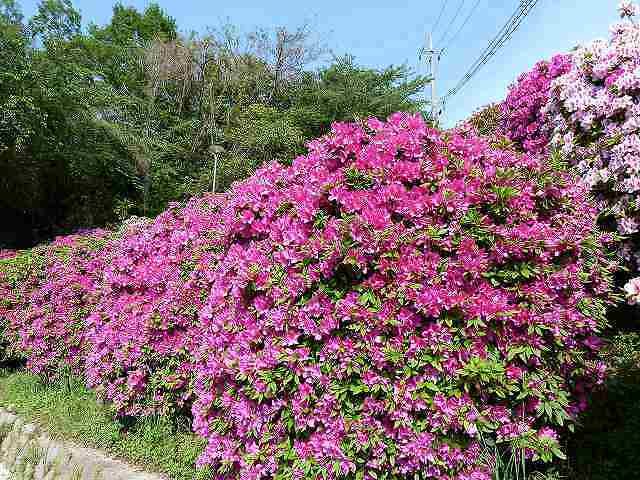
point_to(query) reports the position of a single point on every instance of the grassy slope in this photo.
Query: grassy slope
(71, 412)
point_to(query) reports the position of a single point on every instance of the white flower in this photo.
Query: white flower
(632, 289)
(627, 9)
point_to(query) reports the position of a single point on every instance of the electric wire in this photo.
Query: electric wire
(499, 40)
(464, 24)
(503, 36)
(433, 29)
(498, 37)
(453, 20)
(435, 26)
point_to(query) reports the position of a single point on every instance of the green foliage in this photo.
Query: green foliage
(358, 180)
(127, 25)
(607, 444)
(7, 355)
(344, 91)
(133, 114)
(112, 49)
(487, 120)
(274, 135)
(56, 20)
(508, 461)
(10, 12)
(54, 154)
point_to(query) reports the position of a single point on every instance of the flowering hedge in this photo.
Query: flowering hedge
(524, 119)
(5, 304)
(389, 296)
(367, 312)
(596, 110)
(591, 113)
(143, 329)
(47, 294)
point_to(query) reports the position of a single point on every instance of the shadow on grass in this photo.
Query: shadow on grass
(70, 411)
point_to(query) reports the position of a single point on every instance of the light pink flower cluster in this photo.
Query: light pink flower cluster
(632, 290)
(368, 311)
(4, 254)
(591, 114)
(627, 8)
(595, 111)
(524, 120)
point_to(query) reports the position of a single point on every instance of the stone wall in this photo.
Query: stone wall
(28, 453)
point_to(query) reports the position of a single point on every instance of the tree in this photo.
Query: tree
(128, 25)
(287, 52)
(209, 78)
(10, 13)
(60, 168)
(131, 115)
(56, 20)
(344, 91)
(114, 48)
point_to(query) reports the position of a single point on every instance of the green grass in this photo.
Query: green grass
(70, 411)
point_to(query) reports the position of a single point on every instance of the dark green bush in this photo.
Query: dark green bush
(607, 444)
(486, 120)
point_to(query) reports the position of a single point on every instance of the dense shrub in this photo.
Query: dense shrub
(595, 111)
(386, 298)
(487, 120)
(47, 294)
(5, 294)
(589, 109)
(7, 254)
(154, 284)
(524, 120)
(606, 445)
(368, 311)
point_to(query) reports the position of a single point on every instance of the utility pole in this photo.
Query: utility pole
(433, 58)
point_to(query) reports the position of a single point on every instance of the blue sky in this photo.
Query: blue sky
(379, 33)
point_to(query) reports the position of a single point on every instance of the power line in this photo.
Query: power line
(503, 36)
(527, 9)
(466, 20)
(498, 41)
(435, 26)
(455, 17)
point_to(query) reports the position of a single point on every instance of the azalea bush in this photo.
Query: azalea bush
(47, 293)
(523, 116)
(371, 311)
(596, 119)
(596, 116)
(587, 105)
(5, 305)
(144, 328)
(389, 296)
